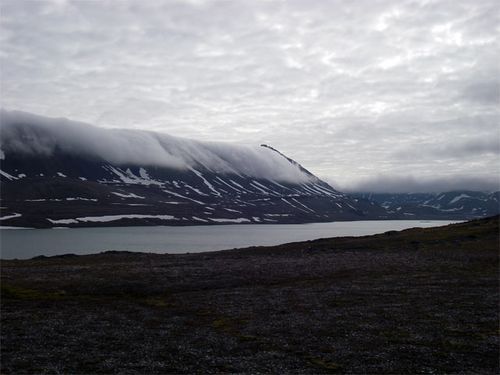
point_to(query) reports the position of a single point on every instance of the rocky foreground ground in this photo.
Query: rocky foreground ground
(416, 301)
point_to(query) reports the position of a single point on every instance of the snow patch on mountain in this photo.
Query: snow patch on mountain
(461, 196)
(8, 176)
(129, 195)
(130, 178)
(181, 196)
(198, 191)
(205, 181)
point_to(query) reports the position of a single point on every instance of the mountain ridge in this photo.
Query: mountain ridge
(57, 172)
(62, 173)
(455, 204)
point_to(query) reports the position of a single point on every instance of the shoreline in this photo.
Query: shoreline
(172, 240)
(418, 300)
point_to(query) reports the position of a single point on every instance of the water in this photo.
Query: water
(27, 243)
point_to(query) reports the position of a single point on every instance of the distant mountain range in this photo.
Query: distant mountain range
(61, 173)
(459, 205)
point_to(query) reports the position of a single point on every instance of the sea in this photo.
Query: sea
(28, 243)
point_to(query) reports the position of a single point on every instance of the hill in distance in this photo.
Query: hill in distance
(453, 205)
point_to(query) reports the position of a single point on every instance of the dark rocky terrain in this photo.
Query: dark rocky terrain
(416, 301)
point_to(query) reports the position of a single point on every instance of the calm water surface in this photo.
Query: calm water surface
(27, 243)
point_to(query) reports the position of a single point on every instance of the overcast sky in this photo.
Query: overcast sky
(380, 95)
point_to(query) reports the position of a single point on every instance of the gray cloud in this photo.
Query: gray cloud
(412, 184)
(468, 148)
(349, 89)
(484, 92)
(41, 136)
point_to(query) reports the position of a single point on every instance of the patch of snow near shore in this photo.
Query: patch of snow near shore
(63, 221)
(10, 216)
(8, 227)
(118, 217)
(132, 204)
(59, 200)
(239, 220)
(107, 218)
(82, 199)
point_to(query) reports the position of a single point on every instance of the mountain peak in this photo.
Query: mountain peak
(290, 160)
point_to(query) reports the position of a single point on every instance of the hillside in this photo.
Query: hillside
(56, 172)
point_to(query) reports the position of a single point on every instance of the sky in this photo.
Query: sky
(368, 95)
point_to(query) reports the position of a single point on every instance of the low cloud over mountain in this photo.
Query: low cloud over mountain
(412, 184)
(35, 135)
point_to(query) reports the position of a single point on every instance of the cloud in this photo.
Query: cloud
(468, 148)
(412, 184)
(348, 88)
(483, 92)
(24, 133)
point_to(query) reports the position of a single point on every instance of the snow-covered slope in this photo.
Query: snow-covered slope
(57, 172)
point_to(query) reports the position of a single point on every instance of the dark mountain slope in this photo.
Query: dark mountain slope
(60, 173)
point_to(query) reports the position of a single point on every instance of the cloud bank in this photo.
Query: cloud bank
(25, 133)
(352, 89)
(412, 184)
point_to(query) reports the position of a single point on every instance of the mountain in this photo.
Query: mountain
(57, 173)
(452, 205)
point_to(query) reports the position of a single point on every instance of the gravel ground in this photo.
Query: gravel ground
(416, 301)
